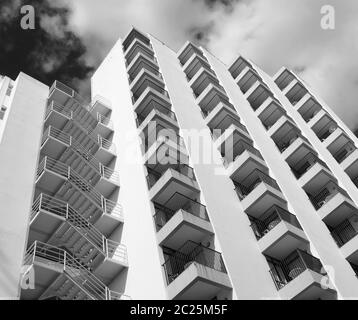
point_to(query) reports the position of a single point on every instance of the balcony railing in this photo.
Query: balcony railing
(326, 131)
(108, 248)
(166, 113)
(79, 275)
(107, 206)
(270, 219)
(306, 164)
(189, 253)
(326, 194)
(153, 176)
(344, 152)
(106, 121)
(164, 214)
(107, 145)
(343, 233)
(238, 149)
(248, 184)
(290, 268)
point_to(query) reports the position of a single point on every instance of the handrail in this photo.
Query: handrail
(306, 163)
(187, 254)
(153, 176)
(292, 266)
(108, 248)
(325, 194)
(270, 219)
(106, 205)
(79, 275)
(249, 183)
(164, 214)
(82, 151)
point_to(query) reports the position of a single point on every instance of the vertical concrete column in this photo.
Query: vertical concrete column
(19, 151)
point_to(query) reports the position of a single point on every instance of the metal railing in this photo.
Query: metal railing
(238, 149)
(295, 264)
(189, 253)
(344, 152)
(343, 233)
(84, 152)
(288, 139)
(106, 121)
(306, 163)
(163, 214)
(107, 145)
(248, 184)
(62, 209)
(270, 219)
(107, 206)
(153, 176)
(326, 194)
(72, 268)
(327, 130)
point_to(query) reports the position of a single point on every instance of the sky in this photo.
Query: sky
(271, 33)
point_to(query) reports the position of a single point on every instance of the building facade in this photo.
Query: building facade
(184, 178)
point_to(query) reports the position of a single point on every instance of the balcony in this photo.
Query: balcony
(61, 275)
(332, 203)
(104, 126)
(133, 35)
(217, 117)
(139, 63)
(282, 128)
(324, 127)
(55, 222)
(106, 151)
(312, 172)
(194, 64)
(136, 47)
(166, 120)
(144, 80)
(310, 110)
(202, 80)
(178, 178)
(187, 51)
(285, 137)
(284, 79)
(258, 192)
(278, 232)
(179, 219)
(257, 95)
(195, 272)
(294, 92)
(247, 78)
(238, 66)
(211, 97)
(152, 99)
(270, 112)
(342, 152)
(242, 160)
(345, 231)
(299, 277)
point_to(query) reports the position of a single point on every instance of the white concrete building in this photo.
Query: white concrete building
(184, 178)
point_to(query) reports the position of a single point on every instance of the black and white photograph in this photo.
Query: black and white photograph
(178, 157)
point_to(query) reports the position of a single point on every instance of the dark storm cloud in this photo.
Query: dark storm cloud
(49, 52)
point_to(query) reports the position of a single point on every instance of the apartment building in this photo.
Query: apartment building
(183, 178)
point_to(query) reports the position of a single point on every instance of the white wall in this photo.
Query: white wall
(19, 150)
(144, 279)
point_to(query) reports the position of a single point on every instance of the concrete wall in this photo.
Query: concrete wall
(19, 150)
(234, 237)
(144, 278)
